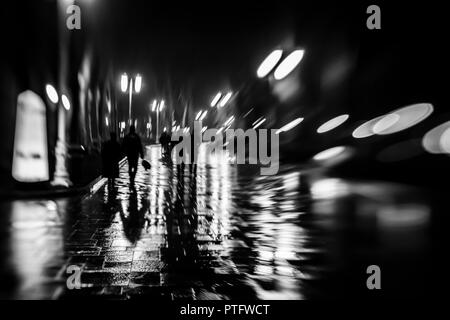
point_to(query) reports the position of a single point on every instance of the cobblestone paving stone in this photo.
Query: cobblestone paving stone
(170, 237)
(216, 231)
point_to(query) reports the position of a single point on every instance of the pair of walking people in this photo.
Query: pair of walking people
(112, 153)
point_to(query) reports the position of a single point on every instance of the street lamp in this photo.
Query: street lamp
(288, 64)
(126, 85)
(65, 102)
(138, 83)
(51, 93)
(225, 99)
(216, 99)
(203, 115)
(269, 63)
(283, 68)
(220, 99)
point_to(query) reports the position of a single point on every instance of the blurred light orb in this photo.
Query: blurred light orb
(396, 121)
(203, 115)
(329, 153)
(138, 84)
(269, 63)
(161, 105)
(385, 123)
(154, 104)
(259, 123)
(366, 129)
(403, 215)
(216, 99)
(225, 99)
(229, 121)
(288, 64)
(65, 102)
(290, 125)
(407, 117)
(257, 120)
(444, 141)
(124, 82)
(437, 140)
(333, 123)
(51, 93)
(329, 188)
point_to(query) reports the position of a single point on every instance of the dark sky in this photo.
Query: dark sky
(218, 45)
(208, 46)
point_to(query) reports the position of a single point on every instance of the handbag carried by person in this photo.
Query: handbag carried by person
(146, 164)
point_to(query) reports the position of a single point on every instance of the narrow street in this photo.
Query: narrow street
(212, 232)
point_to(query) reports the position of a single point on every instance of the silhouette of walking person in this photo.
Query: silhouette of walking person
(164, 139)
(132, 147)
(134, 221)
(110, 158)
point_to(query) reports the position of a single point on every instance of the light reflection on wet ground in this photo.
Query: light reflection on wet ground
(217, 231)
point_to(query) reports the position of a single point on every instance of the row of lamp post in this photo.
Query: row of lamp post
(132, 85)
(126, 85)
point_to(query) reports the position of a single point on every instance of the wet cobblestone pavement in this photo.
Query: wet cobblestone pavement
(216, 231)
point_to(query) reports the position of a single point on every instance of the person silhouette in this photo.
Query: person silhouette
(110, 158)
(133, 221)
(164, 140)
(132, 147)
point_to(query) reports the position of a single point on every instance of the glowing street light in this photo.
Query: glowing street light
(51, 93)
(138, 83)
(257, 120)
(288, 64)
(395, 121)
(329, 153)
(203, 115)
(259, 123)
(216, 99)
(333, 123)
(229, 121)
(124, 82)
(65, 102)
(290, 125)
(437, 140)
(385, 123)
(225, 99)
(128, 86)
(269, 63)
(157, 107)
(198, 115)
